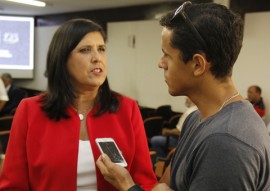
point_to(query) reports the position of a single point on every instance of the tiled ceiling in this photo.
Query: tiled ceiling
(65, 6)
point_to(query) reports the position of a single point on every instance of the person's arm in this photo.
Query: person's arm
(162, 187)
(173, 131)
(120, 178)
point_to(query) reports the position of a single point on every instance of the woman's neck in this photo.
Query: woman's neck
(85, 102)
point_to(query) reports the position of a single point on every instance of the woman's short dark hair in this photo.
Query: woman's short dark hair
(219, 27)
(60, 93)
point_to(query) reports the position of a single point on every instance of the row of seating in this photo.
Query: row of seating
(154, 121)
(157, 119)
(154, 124)
(160, 164)
(164, 110)
(5, 126)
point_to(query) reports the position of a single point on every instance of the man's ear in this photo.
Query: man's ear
(200, 64)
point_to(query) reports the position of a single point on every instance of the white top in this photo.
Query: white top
(3, 91)
(184, 116)
(86, 171)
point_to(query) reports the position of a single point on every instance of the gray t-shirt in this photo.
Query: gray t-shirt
(229, 151)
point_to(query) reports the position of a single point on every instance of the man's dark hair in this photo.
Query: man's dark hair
(60, 93)
(219, 27)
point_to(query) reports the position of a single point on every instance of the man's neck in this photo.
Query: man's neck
(213, 96)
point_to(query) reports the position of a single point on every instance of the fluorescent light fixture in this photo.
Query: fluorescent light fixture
(30, 2)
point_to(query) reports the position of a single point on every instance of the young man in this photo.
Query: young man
(225, 144)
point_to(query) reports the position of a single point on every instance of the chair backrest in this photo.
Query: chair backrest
(5, 126)
(4, 136)
(13, 111)
(165, 111)
(153, 126)
(174, 120)
(6, 122)
(147, 112)
(162, 163)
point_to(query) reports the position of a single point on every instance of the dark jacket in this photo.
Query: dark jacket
(15, 95)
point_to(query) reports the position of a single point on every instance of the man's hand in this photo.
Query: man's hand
(161, 187)
(116, 175)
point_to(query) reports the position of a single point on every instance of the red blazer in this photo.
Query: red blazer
(42, 154)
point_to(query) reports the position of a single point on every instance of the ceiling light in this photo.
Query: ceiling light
(30, 2)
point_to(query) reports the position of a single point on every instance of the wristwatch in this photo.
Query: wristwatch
(135, 187)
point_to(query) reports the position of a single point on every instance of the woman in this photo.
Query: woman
(52, 142)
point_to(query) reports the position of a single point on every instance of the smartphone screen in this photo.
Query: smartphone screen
(109, 147)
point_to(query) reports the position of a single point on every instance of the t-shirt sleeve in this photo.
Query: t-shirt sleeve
(224, 163)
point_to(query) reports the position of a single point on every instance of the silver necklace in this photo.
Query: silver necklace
(83, 113)
(229, 99)
(81, 116)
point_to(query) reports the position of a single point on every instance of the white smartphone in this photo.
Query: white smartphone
(109, 147)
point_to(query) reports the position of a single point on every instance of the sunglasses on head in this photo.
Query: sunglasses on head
(181, 11)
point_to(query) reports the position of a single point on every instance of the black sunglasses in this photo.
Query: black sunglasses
(180, 10)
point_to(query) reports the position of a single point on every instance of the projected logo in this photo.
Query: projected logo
(8, 38)
(11, 38)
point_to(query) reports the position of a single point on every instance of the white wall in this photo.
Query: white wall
(133, 68)
(43, 36)
(253, 64)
